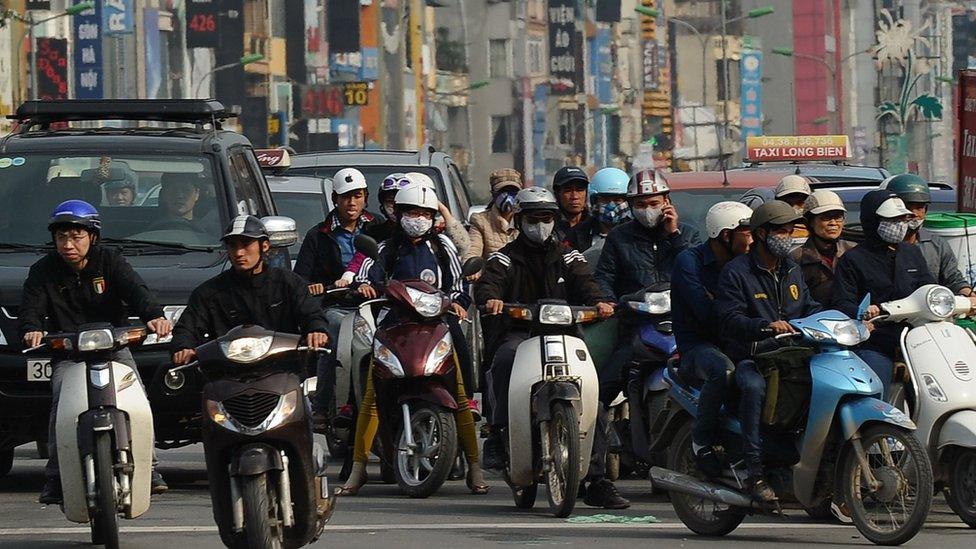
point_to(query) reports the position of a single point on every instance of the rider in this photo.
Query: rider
(416, 252)
(387, 197)
(80, 283)
(794, 190)
(608, 208)
(570, 183)
(534, 266)
(942, 262)
(694, 283)
(492, 229)
(760, 291)
(824, 215)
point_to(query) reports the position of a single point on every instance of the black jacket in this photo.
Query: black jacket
(319, 259)
(634, 257)
(275, 299)
(106, 290)
(749, 298)
(580, 237)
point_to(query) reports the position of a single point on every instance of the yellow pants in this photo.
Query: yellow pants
(368, 422)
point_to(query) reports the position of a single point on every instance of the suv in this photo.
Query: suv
(200, 175)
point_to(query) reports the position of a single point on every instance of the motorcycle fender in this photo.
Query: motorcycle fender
(855, 413)
(255, 459)
(655, 382)
(550, 392)
(959, 430)
(432, 392)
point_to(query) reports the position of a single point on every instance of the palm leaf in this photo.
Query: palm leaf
(929, 105)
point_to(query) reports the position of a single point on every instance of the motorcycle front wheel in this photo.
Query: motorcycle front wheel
(105, 523)
(961, 495)
(261, 525)
(421, 473)
(892, 512)
(562, 480)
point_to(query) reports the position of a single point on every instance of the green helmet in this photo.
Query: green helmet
(909, 187)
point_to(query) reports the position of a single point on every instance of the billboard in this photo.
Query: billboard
(563, 46)
(751, 93)
(966, 142)
(87, 28)
(117, 17)
(777, 148)
(52, 68)
(201, 23)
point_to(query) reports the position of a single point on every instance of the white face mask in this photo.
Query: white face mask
(416, 226)
(538, 232)
(915, 223)
(648, 217)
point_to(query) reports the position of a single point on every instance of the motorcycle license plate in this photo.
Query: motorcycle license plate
(39, 369)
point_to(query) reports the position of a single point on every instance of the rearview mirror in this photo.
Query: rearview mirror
(367, 246)
(472, 266)
(282, 231)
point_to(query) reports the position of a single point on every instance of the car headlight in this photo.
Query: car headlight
(246, 349)
(556, 314)
(95, 340)
(171, 313)
(941, 302)
(845, 332)
(361, 330)
(443, 348)
(428, 305)
(934, 389)
(385, 356)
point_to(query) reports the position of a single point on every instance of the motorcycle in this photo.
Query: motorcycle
(940, 392)
(553, 396)
(104, 430)
(267, 476)
(827, 437)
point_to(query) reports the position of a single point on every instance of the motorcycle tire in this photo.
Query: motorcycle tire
(721, 519)
(262, 529)
(525, 496)
(562, 479)
(961, 495)
(921, 471)
(435, 461)
(105, 522)
(6, 461)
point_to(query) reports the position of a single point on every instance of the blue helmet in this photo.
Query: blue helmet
(608, 181)
(76, 213)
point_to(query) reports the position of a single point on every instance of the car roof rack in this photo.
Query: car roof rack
(194, 111)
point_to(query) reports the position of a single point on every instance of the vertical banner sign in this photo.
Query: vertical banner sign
(540, 100)
(966, 139)
(201, 23)
(52, 68)
(117, 17)
(562, 46)
(87, 27)
(751, 93)
(154, 68)
(604, 64)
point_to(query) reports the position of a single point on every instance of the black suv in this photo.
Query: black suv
(166, 179)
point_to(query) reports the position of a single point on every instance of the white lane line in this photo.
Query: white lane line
(554, 525)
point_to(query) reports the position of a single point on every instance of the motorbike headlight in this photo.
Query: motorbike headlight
(556, 314)
(286, 407)
(361, 330)
(845, 332)
(941, 302)
(428, 305)
(217, 414)
(658, 303)
(246, 349)
(443, 348)
(95, 340)
(385, 356)
(171, 313)
(934, 389)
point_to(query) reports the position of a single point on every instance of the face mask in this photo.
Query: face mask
(915, 223)
(892, 232)
(505, 202)
(611, 213)
(779, 246)
(538, 232)
(416, 226)
(648, 217)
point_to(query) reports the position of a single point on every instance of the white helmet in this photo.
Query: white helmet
(793, 184)
(348, 179)
(726, 215)
(535, 199)
(422, 179)
(416, 196)
(822, 201)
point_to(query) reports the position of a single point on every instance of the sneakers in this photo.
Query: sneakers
(760, 490)
(707, 462)
(603, 493)
(841, 512)
(495, 456)
(159, 485)
(51, 493)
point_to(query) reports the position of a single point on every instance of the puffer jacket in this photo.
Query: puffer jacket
(489, 233)
(634, 257)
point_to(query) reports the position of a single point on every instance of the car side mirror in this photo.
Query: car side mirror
(282, 231)
(367, 246)
(472, 266)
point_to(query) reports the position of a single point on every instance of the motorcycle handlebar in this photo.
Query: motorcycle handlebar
(34, 348)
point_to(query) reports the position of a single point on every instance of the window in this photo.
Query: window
(245, 185)
(501, 134)
(498, 58)
(566, 127)
(534, 61)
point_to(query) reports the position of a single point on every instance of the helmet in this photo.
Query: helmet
(608, 181)
(348, 179)
(247, 226)
(416, 195)
(909, 187)
(647, 183)
(726, 215)
(892, 207)
(536, 199)
(774, 212)
(822, 201)
(422, 179)
(567, 175)
(757, 197)
(394, 182)
(76, 213)
(793, 184)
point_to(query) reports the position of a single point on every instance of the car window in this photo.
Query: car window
(150, 197)
(246, 186)
(307, 209)
(374, 177)
(693, 204)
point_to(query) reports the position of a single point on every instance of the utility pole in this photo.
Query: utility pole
(725, 84)
(417, 63)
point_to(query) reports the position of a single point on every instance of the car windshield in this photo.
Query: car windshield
(307, 209)
(164, 199)
(374, 177)
(693, 204)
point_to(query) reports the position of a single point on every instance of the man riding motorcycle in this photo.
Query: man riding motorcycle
(694, 284)
(760, 291)
(794, 190)
(608, 208)
(570, 184)
(492, 229)
(824, 215)
(78, 283)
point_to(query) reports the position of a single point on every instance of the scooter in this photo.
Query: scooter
(553, 396)
(104, 430)
(826, 437)
(267, 476)
(940, 359)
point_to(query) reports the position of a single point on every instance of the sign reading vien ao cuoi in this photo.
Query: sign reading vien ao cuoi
(562, 46)
(796, 148)
(966, 141)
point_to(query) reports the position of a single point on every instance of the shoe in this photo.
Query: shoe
(475, 408)
(603, 493)
(51, 493)
(159, 485)
(475, 481)
(707, 462)
(841, 512)
(357, 479)
(760, 490)
(495, 456)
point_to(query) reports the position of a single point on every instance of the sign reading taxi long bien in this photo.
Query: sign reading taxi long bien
(774, 148)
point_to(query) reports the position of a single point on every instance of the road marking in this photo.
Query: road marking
(552, 525)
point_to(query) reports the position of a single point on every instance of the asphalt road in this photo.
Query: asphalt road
(381, 517)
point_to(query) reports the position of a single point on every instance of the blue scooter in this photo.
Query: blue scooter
(827, 437)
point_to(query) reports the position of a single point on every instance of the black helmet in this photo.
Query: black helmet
(247, 226)
(77, 213)
(909, 187)
(774, 212)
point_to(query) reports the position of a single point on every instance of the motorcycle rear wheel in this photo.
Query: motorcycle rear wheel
(961, 495)
(262, 529)
(435, 436)
(105, 522)
(562, 479)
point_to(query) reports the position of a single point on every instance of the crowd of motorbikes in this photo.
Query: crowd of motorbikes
(834, 447)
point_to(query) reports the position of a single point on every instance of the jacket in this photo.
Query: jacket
(941, 261)
(581, 236)
(694, 283)
(750, 298)
(634, 257)
(489, 233)
(434, 260)
(817, 273)
(106, 290)
(275, 299)
(319, 259)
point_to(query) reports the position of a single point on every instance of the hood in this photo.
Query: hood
(869, 218)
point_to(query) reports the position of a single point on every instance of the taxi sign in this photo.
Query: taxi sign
(273, 159)
(777, 148)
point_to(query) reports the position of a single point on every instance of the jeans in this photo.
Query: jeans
(325, 371)
(51, 470)
(752, 388)
(707, 362)
(612, 373)
(882, 365)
